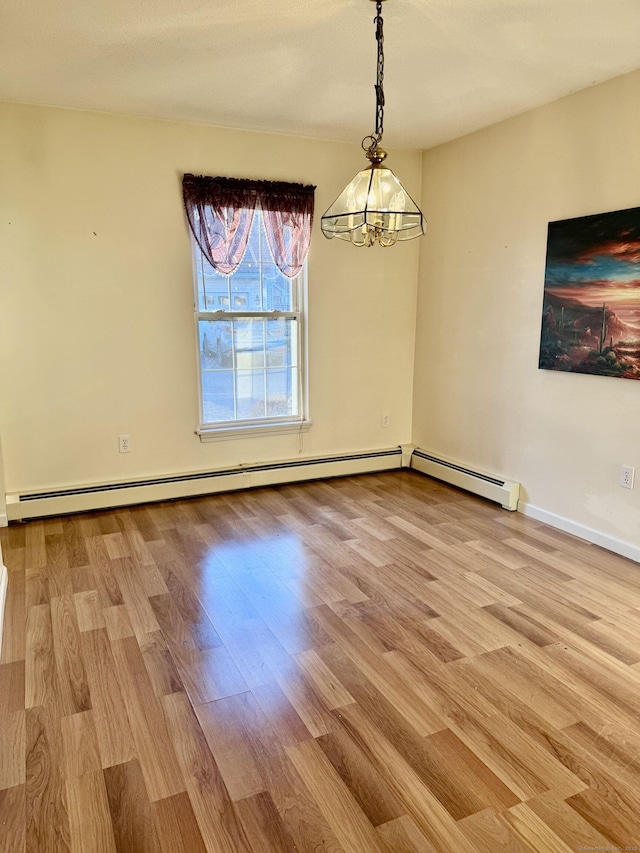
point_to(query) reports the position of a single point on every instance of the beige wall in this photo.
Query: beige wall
(3, 506)
(478, 394)
(97, 324)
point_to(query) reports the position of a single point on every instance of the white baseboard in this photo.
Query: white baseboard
(4, 580)
(596, 537)
(4, 521)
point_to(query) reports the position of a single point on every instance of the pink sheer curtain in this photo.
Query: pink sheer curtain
(219, 218)
(220, 214)
(288, 235)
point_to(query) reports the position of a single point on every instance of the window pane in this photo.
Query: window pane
(217, 396)
(252, 255)
(276, 289)
(282, 392)
(265, 251)
(199, 277)
(245, 281)
(214, 293)
(216, 344)
(281, 342)
(250, 394)
(249, 343)
(245, 288)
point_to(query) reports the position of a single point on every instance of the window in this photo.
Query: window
(250, 318)
(250, 355)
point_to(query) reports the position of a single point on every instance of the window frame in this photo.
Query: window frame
(280, 424)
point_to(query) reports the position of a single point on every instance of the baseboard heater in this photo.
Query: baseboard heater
(107, 495)
(504, 492)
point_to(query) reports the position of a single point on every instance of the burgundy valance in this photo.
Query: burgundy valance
(220, 213)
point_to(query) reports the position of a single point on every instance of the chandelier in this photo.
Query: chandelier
(374, 207)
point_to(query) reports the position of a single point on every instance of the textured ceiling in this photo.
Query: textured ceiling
(307, 67)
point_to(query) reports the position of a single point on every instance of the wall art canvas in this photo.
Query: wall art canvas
(591, 306)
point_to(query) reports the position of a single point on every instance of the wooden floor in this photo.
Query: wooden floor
(378, 663)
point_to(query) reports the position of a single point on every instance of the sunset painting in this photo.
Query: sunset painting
(591, 307)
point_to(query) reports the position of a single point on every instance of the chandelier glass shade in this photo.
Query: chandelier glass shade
(374, 207)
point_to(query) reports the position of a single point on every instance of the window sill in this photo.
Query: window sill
(254, 430)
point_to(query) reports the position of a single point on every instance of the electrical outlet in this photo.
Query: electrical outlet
(124, 443)
(627, 476)
(386, 419)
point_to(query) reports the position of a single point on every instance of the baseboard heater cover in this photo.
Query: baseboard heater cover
(504, 492)
(108, 495)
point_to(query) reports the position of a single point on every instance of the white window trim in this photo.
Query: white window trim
(250, 430)
(283, 425)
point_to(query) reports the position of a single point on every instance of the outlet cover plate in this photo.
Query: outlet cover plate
(627, 476)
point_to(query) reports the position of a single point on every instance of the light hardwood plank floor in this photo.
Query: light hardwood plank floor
(378, 663)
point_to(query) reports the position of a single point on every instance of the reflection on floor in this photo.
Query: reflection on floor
(379, 663)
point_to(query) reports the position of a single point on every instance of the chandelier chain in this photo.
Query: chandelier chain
(380, 72)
